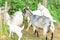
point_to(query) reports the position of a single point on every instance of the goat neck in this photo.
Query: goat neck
(29, 12)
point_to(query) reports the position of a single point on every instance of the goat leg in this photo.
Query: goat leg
(36, 32)
(51, 36)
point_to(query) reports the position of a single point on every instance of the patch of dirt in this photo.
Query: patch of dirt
(57, 32)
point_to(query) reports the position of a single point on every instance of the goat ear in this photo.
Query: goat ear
(39, 4)
(28, 7)
(6, 6)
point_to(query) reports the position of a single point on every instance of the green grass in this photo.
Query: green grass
(52, 5)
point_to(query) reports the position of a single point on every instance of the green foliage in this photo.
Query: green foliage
(52, 5)
(54, 8)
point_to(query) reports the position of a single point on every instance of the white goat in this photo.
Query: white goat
(16, 18)
(45, 12)
(41, 11)
(15, 29)
(14, 21)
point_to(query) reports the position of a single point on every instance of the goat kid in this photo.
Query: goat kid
(15, 19)
(45, 12)
(40, 22)
(41, 11)
(17, 30)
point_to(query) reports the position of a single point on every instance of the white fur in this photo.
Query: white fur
(17, 30)
(17, 18)
(13, 22)
(45, 12)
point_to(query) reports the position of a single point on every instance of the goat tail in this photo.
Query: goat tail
(22, 27)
